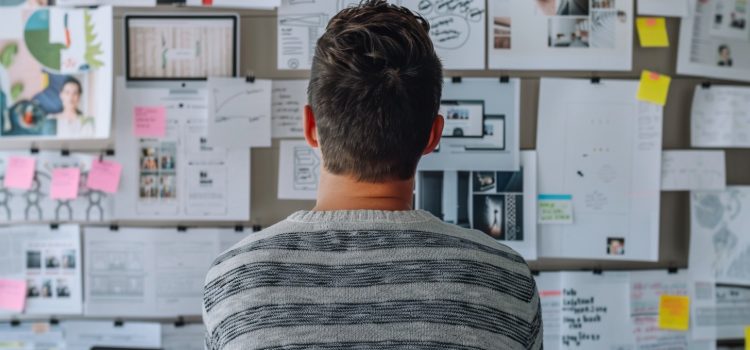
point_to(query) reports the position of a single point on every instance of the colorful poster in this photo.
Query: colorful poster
(56, 73)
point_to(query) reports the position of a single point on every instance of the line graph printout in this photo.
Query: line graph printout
(239, 112)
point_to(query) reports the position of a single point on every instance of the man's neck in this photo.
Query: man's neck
(340, 192)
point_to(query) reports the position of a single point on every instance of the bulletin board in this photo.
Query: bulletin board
(258, 58)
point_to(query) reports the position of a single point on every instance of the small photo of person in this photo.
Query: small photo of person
(62, 290)
(71, 122)
(167, 186)
(149, 188)
(615, 246)
(737, 20)
(33, 259)
(149, 160)
(725, 56)
(32, 289)
(69, 259)
(46, 289)
(51, 260)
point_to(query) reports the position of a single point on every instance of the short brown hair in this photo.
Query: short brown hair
(375, 90)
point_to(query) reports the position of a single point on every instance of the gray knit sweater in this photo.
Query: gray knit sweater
(370, 279)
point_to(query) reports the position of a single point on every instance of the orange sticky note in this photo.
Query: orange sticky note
(654, 88)
(674, 312)
(65, 182)
(19, 173)
(652, 31)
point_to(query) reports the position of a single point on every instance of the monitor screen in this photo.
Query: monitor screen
(180, 47)
(463, 118)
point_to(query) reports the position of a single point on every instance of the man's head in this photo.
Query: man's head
(374, 93)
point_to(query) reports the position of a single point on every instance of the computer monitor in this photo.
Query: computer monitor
(180, 48)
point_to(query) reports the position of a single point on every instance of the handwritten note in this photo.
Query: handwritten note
(693, 170)
(104, 176)
(12, 295)
(456, 27)
(555, 209)
(595, 312)
(720, 116)
(674, 312)
(150, 121)
(646, 287)
(65, 182)
(652, 31)
(654, 88)
(19, 173)
(288, 100)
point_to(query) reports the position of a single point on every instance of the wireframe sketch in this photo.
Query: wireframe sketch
(306, 169)
(117, 270)
(36, 204)
(55, 78)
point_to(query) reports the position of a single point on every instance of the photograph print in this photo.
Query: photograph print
(497, 204)
(56, 74)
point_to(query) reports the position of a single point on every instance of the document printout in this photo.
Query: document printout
(719, 243)
(149, 272)
(49, 260)
(599, 145)
(720, 117)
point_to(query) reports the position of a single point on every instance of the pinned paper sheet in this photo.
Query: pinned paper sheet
(674, 312)
(19, 173)
(654, 88)
(12, 295)
(65, 183)
(555, 209)
(150, 121)
(652, 31)
(104, 176)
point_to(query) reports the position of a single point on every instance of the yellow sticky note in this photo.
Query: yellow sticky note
(747, 338)
(652, 31)
(654, 88)
(674, 312)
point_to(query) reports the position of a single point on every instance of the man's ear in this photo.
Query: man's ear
(308, 123)
(435, 133)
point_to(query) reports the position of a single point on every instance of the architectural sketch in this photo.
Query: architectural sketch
(36, 205)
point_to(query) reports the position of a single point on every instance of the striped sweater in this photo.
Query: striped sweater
(370, 279)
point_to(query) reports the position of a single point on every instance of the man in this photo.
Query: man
(362, 270)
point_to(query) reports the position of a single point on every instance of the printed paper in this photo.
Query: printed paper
(693, 171)
(560, 35)
(49, 264)
(601, 146)
(299, 170)
(239, 112)
(720, 117)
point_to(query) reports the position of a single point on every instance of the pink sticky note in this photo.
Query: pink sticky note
(12, 295)
(150, 121)
(650, 22)
(65, 183)
(19, 173)
(104, 176)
